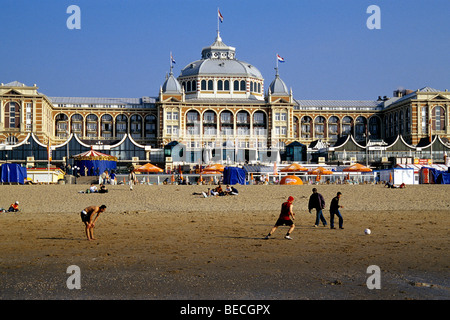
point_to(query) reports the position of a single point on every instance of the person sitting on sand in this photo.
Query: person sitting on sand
(93, 189)
(103, 189)
(228, 190)
(234, 191)
(87, 217)
(14, 207)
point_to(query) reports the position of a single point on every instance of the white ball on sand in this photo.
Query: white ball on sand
(367, 231)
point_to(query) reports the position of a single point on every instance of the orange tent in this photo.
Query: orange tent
(149, 168)
(357, 168)
(214, 167)
(293, 168)
(320, 171)
(291, 180)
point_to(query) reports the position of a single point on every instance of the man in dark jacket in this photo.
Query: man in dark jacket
(316, 201)
(334, 210)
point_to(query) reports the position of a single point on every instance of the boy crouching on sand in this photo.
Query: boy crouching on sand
(87, 216)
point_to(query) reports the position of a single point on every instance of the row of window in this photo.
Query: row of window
(222, 85)
(107, 127)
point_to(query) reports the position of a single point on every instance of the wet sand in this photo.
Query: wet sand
(164, 243)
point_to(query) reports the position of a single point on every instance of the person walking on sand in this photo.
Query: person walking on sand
(286, 217)
(334, 210)
(87, 216)
(316, 201)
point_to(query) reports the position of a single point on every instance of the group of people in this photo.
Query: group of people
(219, 191)
(317, 202)
(14, 207)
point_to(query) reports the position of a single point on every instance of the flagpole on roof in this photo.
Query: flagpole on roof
(171, 65)
(276, 68)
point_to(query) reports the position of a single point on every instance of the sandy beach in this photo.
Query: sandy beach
(162, 242)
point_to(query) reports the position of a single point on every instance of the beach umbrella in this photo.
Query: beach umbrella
(357, 168)
(294, 168)
(149, 168)
(291, 180)
(320, 171)
(214, 167)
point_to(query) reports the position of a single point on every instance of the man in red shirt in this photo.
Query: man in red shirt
(286, 218)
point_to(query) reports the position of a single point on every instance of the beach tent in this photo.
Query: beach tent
(233, 175)
(149, 168)
(214, 167)
(291, 180)
(439, 177)
(13, 173)
(357, 168)
(295, 167)
(320, 171)
(398, 176)
(95, 161)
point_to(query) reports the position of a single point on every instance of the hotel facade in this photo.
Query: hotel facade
(219, 109)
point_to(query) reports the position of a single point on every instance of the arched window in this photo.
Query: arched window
(136, 126)
(333, 128)
(347, 123)
(203, 85)
(319, 127)
(194, 85)
(92, 126)
(106, 126)
(226, 85)
(209, 123)
(193, 122)
(189, 88)
(306, 127)
(243, 122)
(121, 125)
(259, 123)
(236, 85)
(438, 119)
(226, 123)
(61, 125)
(360, 128)
(12, 140)
(77, 124)
(150, 126)
(243, 86)
(210, 85)
(220, 85)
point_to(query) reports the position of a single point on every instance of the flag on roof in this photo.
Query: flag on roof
(219, 15)
(280, 58)
(172, 59)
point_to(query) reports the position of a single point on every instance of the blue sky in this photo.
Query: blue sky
(122, 48)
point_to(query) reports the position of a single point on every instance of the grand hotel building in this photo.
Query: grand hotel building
(220, 104)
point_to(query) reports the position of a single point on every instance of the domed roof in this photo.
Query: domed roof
(221, 67)
(219, 59)
(278, 87)
(171, 85)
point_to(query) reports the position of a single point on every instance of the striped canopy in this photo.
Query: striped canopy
(94, 155)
